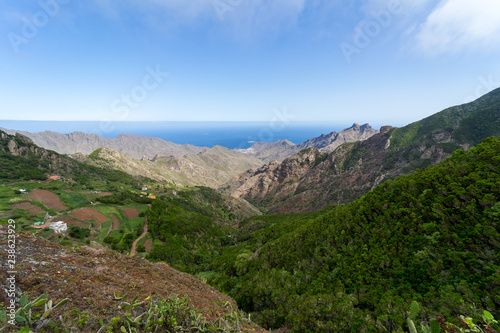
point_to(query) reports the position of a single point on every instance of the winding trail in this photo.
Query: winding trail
(133, 252)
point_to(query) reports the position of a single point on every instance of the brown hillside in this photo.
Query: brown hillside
(90, 278)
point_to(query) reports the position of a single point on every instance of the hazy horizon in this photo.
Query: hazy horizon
(228, 134)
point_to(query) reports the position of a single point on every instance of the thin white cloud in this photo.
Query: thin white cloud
(455, 25)
(244, 20)
(229, 11)
(258, 17)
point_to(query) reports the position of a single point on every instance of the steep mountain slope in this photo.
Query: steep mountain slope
(20, 158)
(128, 144)
(110, 290)
(331, 141)
(213, 167)
(310, 180)
(431, 236)
(282, 149)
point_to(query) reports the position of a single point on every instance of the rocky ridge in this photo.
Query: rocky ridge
(211, 168)
(127, 144)
(310, 181)
(280, 150)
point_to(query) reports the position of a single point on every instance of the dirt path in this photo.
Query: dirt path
(115, 224)
(134, 245)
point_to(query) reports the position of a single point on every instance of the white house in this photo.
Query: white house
(59, 227)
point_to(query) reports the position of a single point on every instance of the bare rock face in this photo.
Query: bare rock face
(283, 149)
(275, 181)
(12, 146)
(331, 141)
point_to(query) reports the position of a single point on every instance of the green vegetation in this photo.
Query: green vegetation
(467, 123)
(430, 236)
(78, 232)
(436, 325)
(209, 202)
(189, 240)
(168, 315)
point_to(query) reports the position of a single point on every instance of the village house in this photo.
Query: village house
(58, 227)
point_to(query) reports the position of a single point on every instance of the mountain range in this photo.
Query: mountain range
(312, 179)
(183, 165)
(279, 150)
(128, 144)
(409, 213)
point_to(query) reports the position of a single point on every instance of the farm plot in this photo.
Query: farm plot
(29, 207)
(72, 221)
(89, 214)
(48, 198)
(131, 213)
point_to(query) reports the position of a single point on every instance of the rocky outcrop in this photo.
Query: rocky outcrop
(331, 141)
(280, 150)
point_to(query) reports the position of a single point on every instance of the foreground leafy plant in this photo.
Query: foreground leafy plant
(467, 324)
(26, 315)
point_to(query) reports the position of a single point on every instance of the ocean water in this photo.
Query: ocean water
(206, 134)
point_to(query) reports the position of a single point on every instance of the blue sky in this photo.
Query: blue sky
(381, 62)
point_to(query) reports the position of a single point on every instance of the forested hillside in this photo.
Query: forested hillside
(353, 169)
(431, 236)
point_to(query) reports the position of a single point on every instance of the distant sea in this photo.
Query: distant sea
(205, 134)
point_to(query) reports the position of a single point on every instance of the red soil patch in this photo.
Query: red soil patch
(148, 245)
(116, 222)
(89, 214)
(48, 198)
(105, 193)
(72, 221)
(29, 207)
(131, 213)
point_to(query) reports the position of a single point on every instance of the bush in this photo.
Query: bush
(77, 232)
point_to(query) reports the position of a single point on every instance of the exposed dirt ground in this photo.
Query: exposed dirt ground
(48, 198)
(89, 214)
(90, 278)
(148, 244)
(131, 213)
(116, 222)
(29, 207)
(72, 221)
